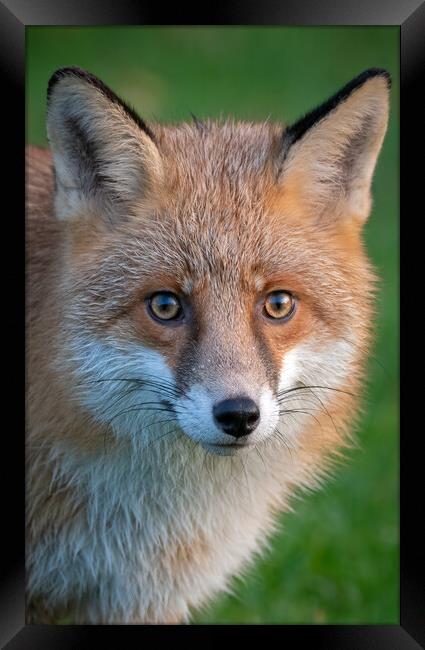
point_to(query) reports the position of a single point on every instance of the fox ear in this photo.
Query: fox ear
(329, 156)
(104, 155)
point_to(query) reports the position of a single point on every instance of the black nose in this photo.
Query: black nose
(237, 417)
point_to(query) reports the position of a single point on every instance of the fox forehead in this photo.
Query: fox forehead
(219, 184)
(220, 159)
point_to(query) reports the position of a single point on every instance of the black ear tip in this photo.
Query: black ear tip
(295, 131)
(95, 82)
(375, 72)
(71, 71)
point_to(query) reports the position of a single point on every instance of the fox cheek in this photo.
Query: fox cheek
(123, 386)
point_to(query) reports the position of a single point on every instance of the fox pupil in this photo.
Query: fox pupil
(165, 306)
(279, 304)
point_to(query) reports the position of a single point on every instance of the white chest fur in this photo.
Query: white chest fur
(159, 533)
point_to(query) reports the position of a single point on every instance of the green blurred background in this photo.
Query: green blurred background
(336, 559)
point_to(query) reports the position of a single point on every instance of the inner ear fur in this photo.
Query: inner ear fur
(328, 157)
(104, 154)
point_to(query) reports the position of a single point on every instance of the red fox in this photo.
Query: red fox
(200, 313)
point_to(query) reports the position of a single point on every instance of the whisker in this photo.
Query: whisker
(120, 397)
(165, 387)
(288, 411)
(141, 408)
(325, 409)
(305, 387)
(281, 436)
(261, 457)
(161, 437)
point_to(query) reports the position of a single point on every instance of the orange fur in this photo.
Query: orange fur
(213, 222)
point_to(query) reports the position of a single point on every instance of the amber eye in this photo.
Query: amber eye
(165, 306)
(279, 304)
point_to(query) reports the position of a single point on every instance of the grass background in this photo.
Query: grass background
(336, 559)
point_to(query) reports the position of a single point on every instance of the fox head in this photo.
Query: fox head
(213, 273)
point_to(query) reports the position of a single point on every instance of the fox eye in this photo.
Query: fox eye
(279, 305)
(165, 306)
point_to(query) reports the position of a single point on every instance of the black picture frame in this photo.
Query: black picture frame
(15, 16)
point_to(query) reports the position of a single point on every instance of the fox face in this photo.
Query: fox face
(216, 288)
